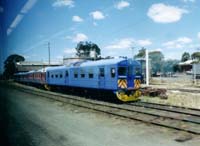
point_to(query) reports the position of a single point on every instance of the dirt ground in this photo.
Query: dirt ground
(176, 97)
(38, 121)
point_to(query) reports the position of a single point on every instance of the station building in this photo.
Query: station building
(191, 67)
(186, 66)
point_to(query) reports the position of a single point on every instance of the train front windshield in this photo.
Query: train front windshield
(137, 71)
(122, 71)
(134, 70)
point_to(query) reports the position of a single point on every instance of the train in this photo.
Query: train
(119, 76)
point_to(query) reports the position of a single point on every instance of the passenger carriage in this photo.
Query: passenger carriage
(31, 77)
(120, 76)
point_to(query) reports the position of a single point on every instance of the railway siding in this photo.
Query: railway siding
(177, 109)
(180, 121)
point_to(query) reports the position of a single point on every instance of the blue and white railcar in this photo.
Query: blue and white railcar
(120, 76)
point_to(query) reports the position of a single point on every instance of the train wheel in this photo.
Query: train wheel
(121, 95)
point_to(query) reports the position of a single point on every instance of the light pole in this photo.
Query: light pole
(49, 52)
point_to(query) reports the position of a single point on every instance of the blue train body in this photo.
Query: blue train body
(120, 76)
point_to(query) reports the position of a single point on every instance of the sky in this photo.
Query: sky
(118, 27)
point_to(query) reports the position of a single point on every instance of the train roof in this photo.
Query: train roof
(23, 73)
(85, 63)
(89, 63)
(107, 62)
(31, 71)
(55, 67)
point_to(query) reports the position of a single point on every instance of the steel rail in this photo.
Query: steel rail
(185, 90)
(170, 108)
(195, 109)
(120, 110)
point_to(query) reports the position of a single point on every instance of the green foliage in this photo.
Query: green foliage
(196, 55)
(84, 49)
(156, 59)
(171, 66)
(176, 68)
(141, 53)
(10, 65)
(185, 56)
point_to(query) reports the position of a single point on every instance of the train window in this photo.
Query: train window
(137, 71)
(82, 72)
(122, 71)
(112, 72)
(82, 75)
(61, 75)
(91, 75)
(56, 76)
(66, 73)
(52, 76)
(101, 72)
(48, 74)
(75, 75)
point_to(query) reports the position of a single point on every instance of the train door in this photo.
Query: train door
(101, 77)
(67, 77)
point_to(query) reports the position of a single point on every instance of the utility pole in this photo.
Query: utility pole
(49, 52)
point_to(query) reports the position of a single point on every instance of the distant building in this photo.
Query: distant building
(186, 66)
(190, 67)
(196, 68)
(33, 65)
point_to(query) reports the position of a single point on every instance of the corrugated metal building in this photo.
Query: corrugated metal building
(196, 70)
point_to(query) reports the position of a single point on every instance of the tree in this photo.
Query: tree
(156, 59)
(170, 65)
(141, 53)
(185, 56)
(87, 50)
(10, 65)
(196, 55)
(176, 68)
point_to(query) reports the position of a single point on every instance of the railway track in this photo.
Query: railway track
(185, 90)
(164, 107)
(171, 117)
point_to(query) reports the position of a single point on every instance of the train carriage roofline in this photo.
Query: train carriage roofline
(93, 63)
(56, 68)
(109, 62)
(102, 62)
